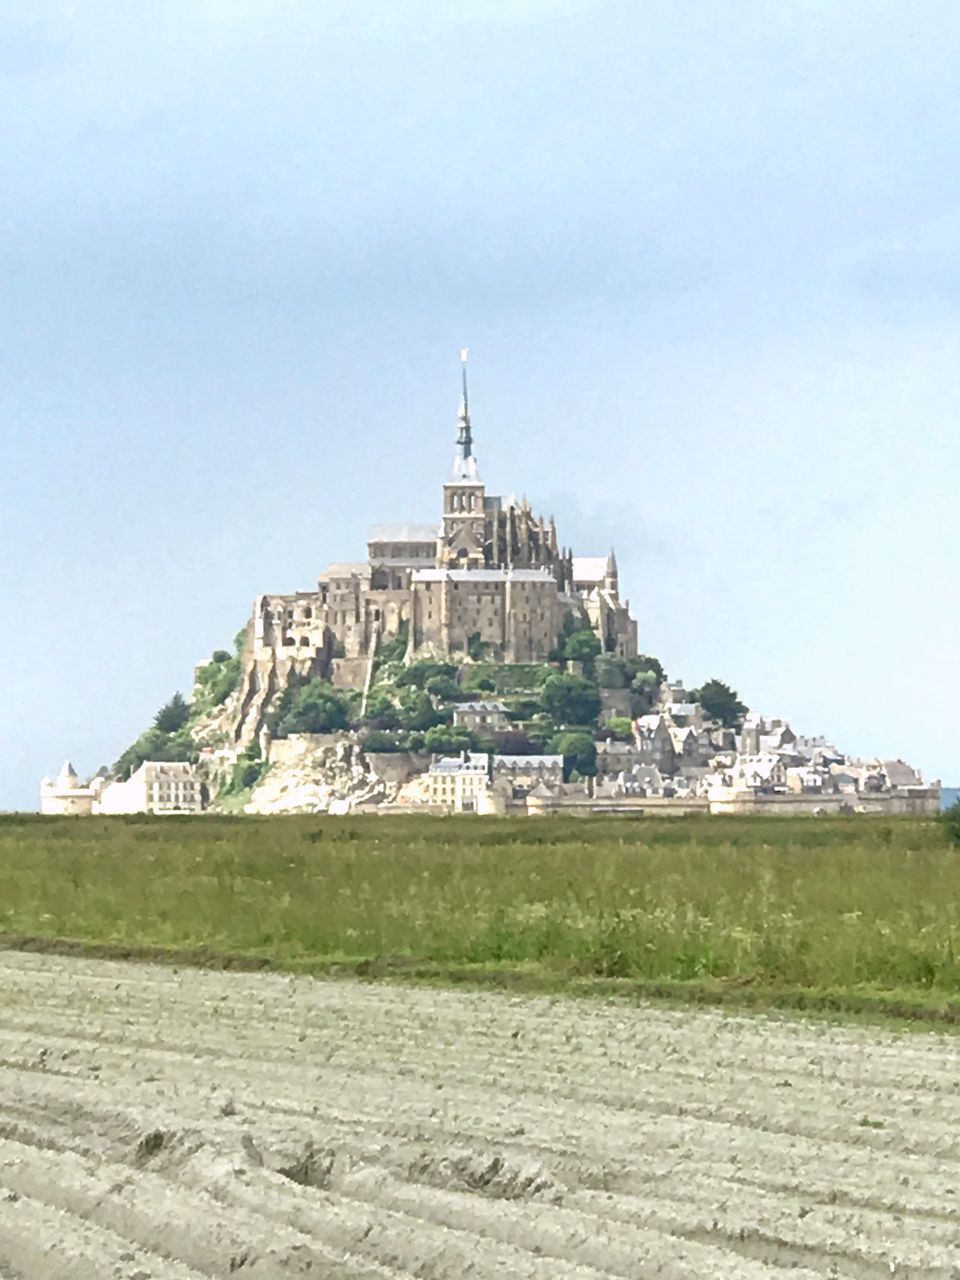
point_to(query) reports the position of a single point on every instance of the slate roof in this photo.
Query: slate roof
(419, 533)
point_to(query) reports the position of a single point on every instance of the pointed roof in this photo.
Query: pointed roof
(464, 462)
(67, 776)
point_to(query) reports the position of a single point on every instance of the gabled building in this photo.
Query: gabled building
(481, 717)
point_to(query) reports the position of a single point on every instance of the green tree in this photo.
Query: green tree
(314, 707)
(381, 711)
(720, 702)
(644, 662)
(579, 752)
(417, 710)
(582, 646)
(571, 699)
(443, 687)
(447, 740)
(173, 715)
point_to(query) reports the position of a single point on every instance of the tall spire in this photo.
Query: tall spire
(464, 463)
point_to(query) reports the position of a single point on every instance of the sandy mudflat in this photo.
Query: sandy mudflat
(166, 1124)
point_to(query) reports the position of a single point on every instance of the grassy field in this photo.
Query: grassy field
(837, 913)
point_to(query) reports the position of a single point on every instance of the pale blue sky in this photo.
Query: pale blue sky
(706, 258)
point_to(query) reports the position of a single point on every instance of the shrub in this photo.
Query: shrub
(951, 822)
(156, 745)
(247, 772)
(418, 673)
(443, 687)
(514, 742)
(394, 650)
(476, 648)
(514, 677)
(621, 727)
(379, 740)
(314, 707)
(219, 677)
(446, 740)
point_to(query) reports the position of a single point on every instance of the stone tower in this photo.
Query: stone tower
(463, 532)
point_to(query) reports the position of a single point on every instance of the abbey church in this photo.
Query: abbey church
(489, 579)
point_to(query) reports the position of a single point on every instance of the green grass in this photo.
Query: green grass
(843, 914)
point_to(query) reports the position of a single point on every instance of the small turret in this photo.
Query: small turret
(67, 777)
(611, 578)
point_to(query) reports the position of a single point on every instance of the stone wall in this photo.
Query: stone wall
(398, 766)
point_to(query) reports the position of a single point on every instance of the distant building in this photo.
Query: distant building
(523, 773)
(481, 717)
(457, 782)
(158, 786)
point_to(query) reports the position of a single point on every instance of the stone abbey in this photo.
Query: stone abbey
(489, 579)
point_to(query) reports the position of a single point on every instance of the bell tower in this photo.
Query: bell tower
(463, 532)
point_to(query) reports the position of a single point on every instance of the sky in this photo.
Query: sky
(706, 258)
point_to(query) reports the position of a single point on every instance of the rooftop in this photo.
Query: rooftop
(419, 533)
(483, 575)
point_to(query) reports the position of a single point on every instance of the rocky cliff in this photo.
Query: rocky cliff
(317, 775)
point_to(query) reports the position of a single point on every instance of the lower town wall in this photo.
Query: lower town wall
(925, 803)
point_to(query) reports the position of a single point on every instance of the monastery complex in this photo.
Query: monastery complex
(485, 597)
(489, 577)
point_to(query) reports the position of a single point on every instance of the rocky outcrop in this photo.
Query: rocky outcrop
(267, 674)
(314, 774)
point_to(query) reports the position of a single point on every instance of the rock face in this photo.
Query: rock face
(318, 775)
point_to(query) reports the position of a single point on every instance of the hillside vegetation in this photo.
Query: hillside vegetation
(842, 913)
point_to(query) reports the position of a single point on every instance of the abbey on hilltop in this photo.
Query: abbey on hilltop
(489, 579)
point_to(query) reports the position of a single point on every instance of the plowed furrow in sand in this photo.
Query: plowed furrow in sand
(175, 1124)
